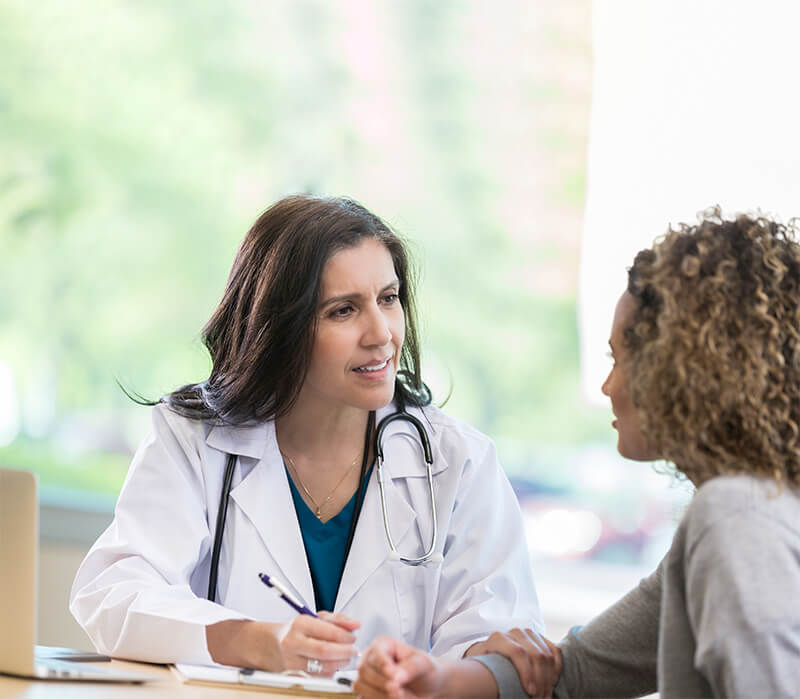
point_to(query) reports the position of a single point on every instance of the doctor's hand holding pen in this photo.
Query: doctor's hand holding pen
(328, 640)
(322, 643)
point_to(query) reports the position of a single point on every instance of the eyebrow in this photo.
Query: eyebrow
(355, 297)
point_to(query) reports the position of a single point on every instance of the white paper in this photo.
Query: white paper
(235, 675)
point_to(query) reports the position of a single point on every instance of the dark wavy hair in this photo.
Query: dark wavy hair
(261, 335)
(714, 347)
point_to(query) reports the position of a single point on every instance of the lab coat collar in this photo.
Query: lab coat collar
(252, 440)
(243, 440)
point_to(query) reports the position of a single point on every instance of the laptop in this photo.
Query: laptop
(19, 552)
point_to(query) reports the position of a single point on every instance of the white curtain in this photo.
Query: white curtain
(695, 103)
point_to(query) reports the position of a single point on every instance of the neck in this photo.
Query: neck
(323, 451)
(323, 436)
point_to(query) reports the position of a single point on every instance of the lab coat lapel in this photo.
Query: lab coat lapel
(370, 546)
(265, 498)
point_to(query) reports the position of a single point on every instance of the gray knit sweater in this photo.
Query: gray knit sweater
(719, 617)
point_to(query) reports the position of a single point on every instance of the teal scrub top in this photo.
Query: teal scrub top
(325, 545)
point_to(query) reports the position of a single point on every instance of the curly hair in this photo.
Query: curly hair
(714, 347)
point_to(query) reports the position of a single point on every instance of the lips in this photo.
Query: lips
(372, 368)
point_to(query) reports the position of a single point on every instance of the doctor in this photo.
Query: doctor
(313, 344)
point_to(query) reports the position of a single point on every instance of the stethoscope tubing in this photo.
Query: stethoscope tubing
(428, 453)
(221, 514)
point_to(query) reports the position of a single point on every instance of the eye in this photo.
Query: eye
(342, 312)
(390, 299)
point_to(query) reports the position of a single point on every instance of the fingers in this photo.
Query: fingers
(383, 657)
(558, 664)
(308, 638)
(508, 645)
(393, 669)
(340, 620)
(323, 650)
(542, 661)
(559, 659)
(326, 668)
(372, 682)
(378, 672)
(414, 665)
(323, 629)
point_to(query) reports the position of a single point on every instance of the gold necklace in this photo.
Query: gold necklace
(318, 508)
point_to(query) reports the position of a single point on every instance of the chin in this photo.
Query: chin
(376, 401)
(634, 454)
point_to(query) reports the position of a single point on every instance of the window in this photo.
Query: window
(139, 143)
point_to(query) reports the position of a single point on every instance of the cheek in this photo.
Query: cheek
(399, 329)
(618, 393)
(327, 350)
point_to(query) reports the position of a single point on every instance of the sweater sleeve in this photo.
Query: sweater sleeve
(742, 587)
(508, 683)
(615, 654)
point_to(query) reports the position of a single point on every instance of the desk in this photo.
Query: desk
(168, 686)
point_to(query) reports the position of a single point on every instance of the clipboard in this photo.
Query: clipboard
(223, 676)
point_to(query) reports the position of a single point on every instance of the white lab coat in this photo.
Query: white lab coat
(140, 592)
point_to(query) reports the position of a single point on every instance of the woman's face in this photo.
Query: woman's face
(360, 330)
(630, 442)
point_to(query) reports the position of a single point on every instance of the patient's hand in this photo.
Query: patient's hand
(537, 660)
(391, 668)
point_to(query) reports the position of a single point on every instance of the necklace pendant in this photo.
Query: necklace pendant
(318, 513)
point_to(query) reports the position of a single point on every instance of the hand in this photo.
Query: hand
(391, 668)
(269, 646)
(328, 639)
(537, 660)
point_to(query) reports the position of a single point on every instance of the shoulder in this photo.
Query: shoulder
(454, 438)
(165, 420)
(197, 435)
(724, 496)
(449, 427)
(733, 506)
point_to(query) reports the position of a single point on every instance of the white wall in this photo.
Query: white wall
(65, 534)
(58, 562)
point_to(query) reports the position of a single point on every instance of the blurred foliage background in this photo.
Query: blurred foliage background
(139, 140)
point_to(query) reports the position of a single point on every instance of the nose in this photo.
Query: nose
(377, 332)
(604, 387)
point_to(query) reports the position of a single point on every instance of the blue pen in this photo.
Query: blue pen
(286, 596)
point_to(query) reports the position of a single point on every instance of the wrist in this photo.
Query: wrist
(465, 678)
(245, 643)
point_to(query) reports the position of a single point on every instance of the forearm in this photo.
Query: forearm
(615, 654)
(463, 679)
(245, 643)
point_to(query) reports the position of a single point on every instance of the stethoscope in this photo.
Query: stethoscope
(429, 557)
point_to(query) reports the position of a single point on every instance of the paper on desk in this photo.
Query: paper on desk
(234, 675)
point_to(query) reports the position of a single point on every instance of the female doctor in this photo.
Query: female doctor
(313, 344)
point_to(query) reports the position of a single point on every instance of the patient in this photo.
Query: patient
(706, 375)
